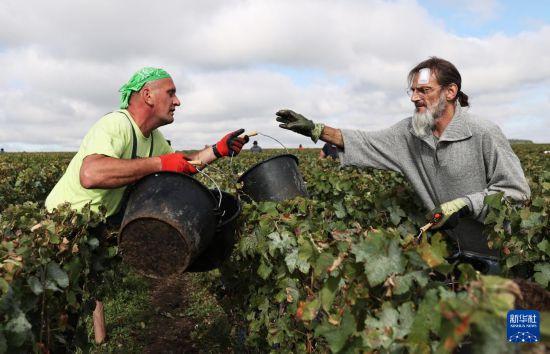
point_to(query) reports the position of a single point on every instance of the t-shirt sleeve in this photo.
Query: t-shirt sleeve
(109, 136)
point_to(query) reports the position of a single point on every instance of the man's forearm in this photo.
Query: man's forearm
(206, 155)
(332, 136)
(99, 171)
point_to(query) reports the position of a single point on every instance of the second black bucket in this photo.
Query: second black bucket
(275, 179)
(170, 219)
(222, 243)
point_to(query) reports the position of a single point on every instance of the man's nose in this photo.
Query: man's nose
(176, 101)
(415, 96)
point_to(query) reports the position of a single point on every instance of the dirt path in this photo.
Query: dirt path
(187, 318)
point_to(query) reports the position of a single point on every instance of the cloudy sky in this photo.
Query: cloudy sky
(237, 62)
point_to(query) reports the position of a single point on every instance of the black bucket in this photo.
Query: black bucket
(224, 239)
(275, 179)
(484, 264)
(169, 220)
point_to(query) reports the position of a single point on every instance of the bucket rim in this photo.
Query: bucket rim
(237, 212)
(240, 179)
(179, 175)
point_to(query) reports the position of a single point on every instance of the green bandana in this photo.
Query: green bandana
(140, 78)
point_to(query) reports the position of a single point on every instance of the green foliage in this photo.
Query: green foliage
(29, 177)
(521, 231)
(340, 272)
(47, 263)
(337, 272)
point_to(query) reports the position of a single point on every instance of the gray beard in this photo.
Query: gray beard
(423, 124)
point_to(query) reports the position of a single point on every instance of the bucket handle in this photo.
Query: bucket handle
(268, 136)
(252, 133)
(228, 175)
(257, 133)
(215, 184)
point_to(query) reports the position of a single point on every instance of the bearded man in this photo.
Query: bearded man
(451, 159)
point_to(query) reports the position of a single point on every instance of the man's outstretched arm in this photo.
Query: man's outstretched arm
(230, 145)
(380, 149)
(298, 123)
(332, 136)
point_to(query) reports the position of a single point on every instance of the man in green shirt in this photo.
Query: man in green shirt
(125, 145)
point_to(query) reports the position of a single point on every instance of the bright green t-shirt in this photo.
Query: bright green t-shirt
(110, 136)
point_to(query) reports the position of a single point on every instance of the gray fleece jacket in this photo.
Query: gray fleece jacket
(470, 160)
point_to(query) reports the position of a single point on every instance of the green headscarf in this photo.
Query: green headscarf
(140, 78)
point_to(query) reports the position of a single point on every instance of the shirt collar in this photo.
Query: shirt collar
(458, 128)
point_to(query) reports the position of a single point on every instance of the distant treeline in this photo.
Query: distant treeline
(519, 141)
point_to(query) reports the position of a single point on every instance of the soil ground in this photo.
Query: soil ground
(172, 315)
(187, 318)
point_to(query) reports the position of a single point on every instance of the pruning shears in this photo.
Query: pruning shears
(436, 218)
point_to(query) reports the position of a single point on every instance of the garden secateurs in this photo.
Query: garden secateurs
(436, 218)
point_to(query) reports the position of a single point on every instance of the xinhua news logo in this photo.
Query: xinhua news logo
(523, 326)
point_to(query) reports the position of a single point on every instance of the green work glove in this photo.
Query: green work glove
(451, 212)
(299, 124)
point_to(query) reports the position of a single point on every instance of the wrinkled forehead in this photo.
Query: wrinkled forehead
(424, 77)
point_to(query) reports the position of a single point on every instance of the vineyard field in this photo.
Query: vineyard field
(336, 272)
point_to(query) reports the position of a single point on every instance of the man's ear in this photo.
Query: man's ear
(147, 95)
(452, 91)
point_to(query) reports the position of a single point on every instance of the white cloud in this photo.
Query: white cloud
(63, 63)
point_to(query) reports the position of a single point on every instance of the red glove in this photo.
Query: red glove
(230, 145)
(177, 162)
